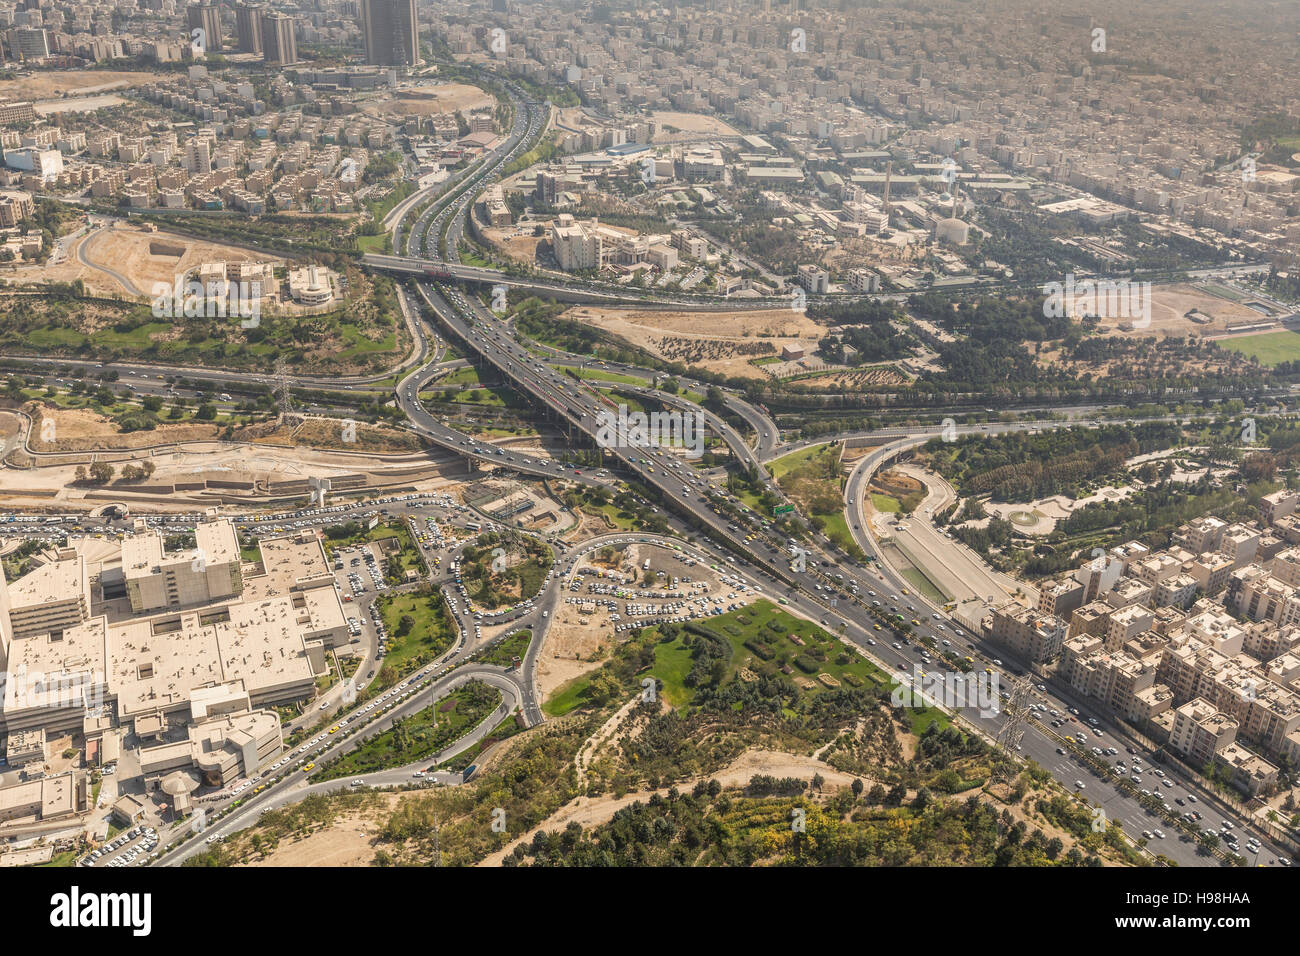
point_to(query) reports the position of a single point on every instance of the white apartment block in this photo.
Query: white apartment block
(576, 246)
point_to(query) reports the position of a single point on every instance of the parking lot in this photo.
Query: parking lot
(125, 849)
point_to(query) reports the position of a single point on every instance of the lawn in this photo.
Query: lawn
(766, 626)
(66, 858)
(788, 463)
(432, 634)
(672, 664)
(924, 586)
(837, 529)
(461, 376)
(812, 479)
(419, 736)
(887, 504)
(601, 376)
(567, 697)
(504, 653)
(381, 243)
(623, 520)
(1270, 348)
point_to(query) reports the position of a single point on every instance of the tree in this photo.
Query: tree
(858, 786)
(101, 472)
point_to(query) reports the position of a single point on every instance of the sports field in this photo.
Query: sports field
(1269, 348)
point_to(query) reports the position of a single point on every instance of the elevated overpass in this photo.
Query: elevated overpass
(562, 290)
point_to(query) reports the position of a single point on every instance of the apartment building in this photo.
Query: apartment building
(1201, 535)
(1060, 597)
(862, 281)
(1201, 731)
(390, 32)
(1128, 591)
(279, 47)
(248, 28)
(576, 246)
(814, 279)
(206, 17)
(1239, 543)
(1115, 679)
(1027, 632)
(1210, 571)
(1278, 504)
(1256, 594)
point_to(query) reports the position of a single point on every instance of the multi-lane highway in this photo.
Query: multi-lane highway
(838, 598)
(804, 572)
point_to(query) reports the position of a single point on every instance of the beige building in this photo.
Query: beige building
(253, 641)
(576, 246)
(1201, 535)
(155, 579)
(1028, 632)
(222, 748)
(50, 798)
(1092, 618)
(52, 598)
(1210, 571)
(1201, 730)
(1279, 504)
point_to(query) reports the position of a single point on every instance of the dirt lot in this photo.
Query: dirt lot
(1170, 303)
(40, 85)
(79, 429)
(509, 243)
(428, 101)
(125, 249)
(675, 335)
(692, 125)
(344, 843)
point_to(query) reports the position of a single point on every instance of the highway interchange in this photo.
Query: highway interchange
(824, 587)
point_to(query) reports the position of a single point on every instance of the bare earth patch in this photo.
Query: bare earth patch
(429, 101)
(734, 337)
(44, 84)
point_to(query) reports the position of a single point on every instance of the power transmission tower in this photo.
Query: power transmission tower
(282, 395)
(1016, 709)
